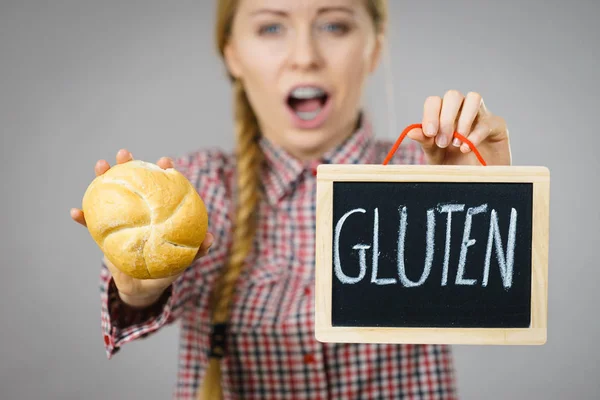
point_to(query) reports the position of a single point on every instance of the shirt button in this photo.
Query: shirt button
(307, 291)
(314, 171)
(309, 359)
(106, 340)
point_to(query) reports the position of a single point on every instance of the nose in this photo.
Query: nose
(304, 52)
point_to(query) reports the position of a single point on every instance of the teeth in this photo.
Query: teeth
(307, 116)
(307, 93)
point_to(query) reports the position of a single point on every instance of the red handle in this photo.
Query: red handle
(413, 126)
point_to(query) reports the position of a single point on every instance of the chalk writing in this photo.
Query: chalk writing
(477, 213)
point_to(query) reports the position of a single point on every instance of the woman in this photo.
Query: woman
(298, 70)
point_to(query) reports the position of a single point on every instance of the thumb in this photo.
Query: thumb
(426, 142)
(433, 153)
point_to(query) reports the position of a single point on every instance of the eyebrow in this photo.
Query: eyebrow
(321, 10)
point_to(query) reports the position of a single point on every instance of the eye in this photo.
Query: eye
(337, 28)
(270, 29)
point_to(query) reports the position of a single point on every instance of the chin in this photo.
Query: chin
(308, 144)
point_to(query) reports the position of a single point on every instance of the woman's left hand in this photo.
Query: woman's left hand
(468, 116)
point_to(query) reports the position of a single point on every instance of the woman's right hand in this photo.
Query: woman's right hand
(138, 292)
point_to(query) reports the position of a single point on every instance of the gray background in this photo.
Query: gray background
(79, 79)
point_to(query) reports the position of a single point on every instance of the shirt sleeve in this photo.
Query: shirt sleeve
(121, 323)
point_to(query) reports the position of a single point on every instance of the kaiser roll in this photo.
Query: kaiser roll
(148, 221)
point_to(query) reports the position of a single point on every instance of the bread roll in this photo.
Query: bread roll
(149, 222)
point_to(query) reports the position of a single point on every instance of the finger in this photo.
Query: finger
(468, 113)
(77, 216)
(123, 156)
(101, 167)
(205, 246)
(419, 136)
(483, 110)
(481, 131)
(165, 162)
(208, 241)
(451, 105)
(431, 115)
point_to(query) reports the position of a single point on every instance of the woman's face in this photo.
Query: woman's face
(303, 64)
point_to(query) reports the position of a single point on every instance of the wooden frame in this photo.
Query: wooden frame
(536, 334)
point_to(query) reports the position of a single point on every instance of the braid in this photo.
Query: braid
(248, 155)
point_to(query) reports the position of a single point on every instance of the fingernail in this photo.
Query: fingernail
(430, 130)
(456, 142)
(442, 141)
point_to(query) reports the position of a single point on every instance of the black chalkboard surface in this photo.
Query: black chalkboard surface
(432, 254)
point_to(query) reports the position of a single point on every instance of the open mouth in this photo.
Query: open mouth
(308, 105)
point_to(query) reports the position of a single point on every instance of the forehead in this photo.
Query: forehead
(299, 6)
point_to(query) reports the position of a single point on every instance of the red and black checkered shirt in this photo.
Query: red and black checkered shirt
(272, 352)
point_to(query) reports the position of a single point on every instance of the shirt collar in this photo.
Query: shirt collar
(283, 171)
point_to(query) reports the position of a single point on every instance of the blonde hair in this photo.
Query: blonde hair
(248, 164)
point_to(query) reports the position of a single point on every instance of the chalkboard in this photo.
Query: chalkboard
(432, 254)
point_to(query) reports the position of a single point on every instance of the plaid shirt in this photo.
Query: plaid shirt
(272, 351)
